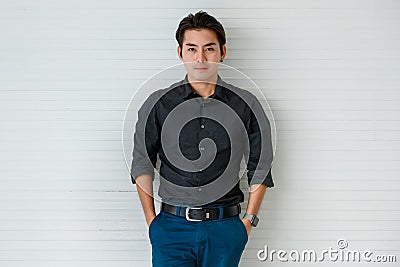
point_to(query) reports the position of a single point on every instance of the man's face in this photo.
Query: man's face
(201, 53)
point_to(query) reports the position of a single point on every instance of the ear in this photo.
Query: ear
(179, 51)
(223, 52)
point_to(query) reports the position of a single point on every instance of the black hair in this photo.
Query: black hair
(200, 20)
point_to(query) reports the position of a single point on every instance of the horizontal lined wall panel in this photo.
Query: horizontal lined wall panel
(69, 69)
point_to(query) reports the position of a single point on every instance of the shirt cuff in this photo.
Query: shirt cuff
(138, 170)
(260, 178)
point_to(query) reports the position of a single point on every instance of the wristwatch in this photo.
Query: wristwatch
(252, 218)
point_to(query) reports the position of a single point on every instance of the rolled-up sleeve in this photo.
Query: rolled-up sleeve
(146, 141)
(261, 151)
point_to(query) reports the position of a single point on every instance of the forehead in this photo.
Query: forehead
(200, 36)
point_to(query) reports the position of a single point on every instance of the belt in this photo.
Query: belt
(198, 214)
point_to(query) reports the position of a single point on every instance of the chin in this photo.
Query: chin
(203, 76)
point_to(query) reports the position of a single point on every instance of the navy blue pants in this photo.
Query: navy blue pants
(178, 242)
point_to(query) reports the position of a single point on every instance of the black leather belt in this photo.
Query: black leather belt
(201, 214)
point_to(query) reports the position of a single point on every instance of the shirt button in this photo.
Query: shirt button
(202, 126)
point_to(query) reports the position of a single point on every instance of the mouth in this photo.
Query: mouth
(201, 67)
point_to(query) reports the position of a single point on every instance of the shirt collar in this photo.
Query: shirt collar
(189, 92)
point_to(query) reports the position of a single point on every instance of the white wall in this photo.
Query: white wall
(68, 69)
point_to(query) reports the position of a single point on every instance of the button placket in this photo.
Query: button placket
(202, 106)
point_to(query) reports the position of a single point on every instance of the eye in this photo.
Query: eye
(190, 49)
(209, 49)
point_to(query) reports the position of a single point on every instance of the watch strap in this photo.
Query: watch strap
(252, 218)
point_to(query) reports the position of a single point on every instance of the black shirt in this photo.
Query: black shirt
(148, 135)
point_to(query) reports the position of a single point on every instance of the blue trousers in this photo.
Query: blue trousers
(178, 242)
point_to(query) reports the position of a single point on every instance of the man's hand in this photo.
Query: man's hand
(149, 220)
(248, 225)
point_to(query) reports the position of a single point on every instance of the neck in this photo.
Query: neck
(203, 88)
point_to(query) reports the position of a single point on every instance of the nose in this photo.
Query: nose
(201, 56)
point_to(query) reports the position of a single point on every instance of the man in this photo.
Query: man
(199, 223)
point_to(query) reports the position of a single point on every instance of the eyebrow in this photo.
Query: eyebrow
(208, 44)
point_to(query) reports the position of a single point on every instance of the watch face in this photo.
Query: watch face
(254, 221)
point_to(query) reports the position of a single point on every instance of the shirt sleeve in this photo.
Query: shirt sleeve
(260, 155)
(146, 140)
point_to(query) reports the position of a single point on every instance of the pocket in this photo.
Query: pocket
(244, 231)
(153, 222)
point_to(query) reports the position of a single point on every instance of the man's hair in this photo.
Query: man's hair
(200, 20)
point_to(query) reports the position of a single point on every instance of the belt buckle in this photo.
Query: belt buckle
(188, 217)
